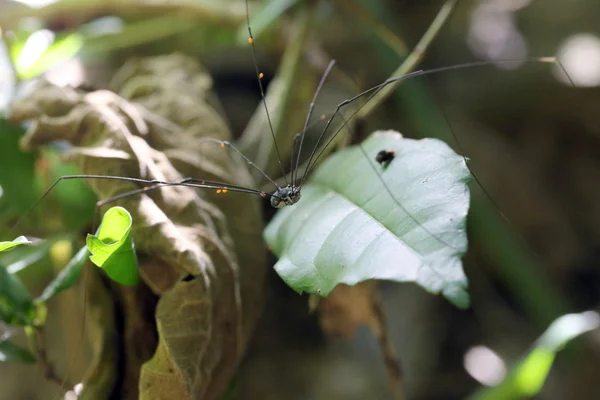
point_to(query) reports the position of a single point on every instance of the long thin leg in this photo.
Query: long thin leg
(343, 104)
(373, 91)
(187, 182)
(473, 174)
(153, 183)
(224, 143)
(308, 115)
(262, 91)
(379, 87)
(398, 203)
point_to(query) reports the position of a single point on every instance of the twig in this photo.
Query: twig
(37, 344)
(390, 359)
(413, 59)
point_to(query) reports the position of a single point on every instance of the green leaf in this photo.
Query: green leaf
(268, 13)
(528, 376)
(16, 306)
(12, 352)
(113, 250)
(18, 241)
(67, 276)
(24, 257)
(348, 229)
(58, 52)
(17, 175)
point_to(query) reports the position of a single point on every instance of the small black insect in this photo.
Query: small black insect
(385, 156)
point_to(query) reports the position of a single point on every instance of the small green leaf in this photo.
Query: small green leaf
(528, 376)
(348, 229)
(58, 52)
(531, 374)
(16, 306)
(24, 257)
(67, 276)
(12, 352)
(113, 250)
(18, 241)
(18, 176)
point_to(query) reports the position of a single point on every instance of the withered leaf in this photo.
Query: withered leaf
(205, 251)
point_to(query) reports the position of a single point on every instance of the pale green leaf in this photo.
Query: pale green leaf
(348, 229)
(18, 241)
(58, 52)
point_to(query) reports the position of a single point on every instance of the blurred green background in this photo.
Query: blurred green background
(533, 141)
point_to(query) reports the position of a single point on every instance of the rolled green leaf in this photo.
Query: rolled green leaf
(113, 249)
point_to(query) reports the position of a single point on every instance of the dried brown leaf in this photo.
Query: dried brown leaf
(204, 253)
(347, 308)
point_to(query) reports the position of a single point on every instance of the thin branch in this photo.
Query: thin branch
(390, 359)
(413, 59)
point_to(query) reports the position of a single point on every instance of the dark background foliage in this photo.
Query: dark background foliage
(532, 140)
